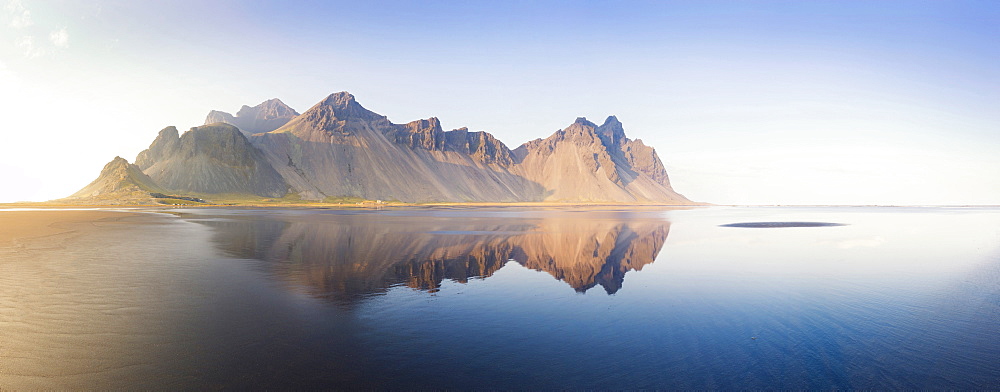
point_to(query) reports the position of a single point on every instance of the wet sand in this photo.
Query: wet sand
(113, 300)
(17, 228)
(86, 298)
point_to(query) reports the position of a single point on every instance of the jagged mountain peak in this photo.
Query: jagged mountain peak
(331, 114)
(581, 131)
(265, 117)
(340, 99)
(117, 163)
(432, 124)
(210, 159)
(269, 109)
(222, 127)
(612, 133)
(336, 117)
(167, 140)
(218, 115)
(428, 135)
(120, 183)
(584, 121)
(168, 132)
(586, 162)
(343, 106)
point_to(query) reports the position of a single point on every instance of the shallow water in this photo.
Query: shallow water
(512, 298)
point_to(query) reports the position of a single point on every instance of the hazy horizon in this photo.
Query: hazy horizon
(762, 103)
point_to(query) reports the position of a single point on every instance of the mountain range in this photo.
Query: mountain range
(339, 150)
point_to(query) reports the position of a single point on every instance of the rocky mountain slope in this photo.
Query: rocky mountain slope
(120, 182)
(210, 159)
(265, 117)
(339, 149)
(586, 162)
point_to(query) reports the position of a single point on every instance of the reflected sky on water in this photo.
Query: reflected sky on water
(891, 298)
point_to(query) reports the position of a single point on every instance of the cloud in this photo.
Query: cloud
(20, 17)
(7, 77)
(28, 47)
(59, 38)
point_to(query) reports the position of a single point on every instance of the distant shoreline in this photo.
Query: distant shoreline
(371, 204)
(366, 204)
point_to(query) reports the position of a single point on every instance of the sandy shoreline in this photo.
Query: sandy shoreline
(21, 227)
(87, 297)
(364, 204)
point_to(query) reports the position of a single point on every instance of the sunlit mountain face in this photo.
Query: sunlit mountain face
(346, 257)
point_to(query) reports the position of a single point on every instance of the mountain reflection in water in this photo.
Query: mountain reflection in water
(344, 256)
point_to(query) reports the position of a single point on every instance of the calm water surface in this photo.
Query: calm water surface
(722, 298)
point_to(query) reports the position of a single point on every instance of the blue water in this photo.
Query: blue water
(517, 298)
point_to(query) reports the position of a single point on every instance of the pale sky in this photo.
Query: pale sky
(746, 102)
